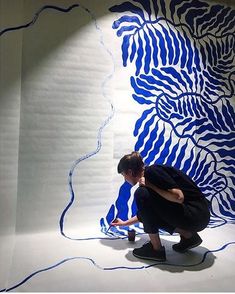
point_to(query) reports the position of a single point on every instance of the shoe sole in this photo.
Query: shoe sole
(149, 258)
(190, 247)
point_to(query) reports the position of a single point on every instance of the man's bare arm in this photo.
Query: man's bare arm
(173, 195)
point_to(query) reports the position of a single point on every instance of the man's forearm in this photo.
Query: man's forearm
(175, 195)
(131, 221)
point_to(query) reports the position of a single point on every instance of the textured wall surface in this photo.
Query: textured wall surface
(10, 88)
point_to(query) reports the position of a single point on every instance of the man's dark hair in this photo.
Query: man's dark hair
(131, 161)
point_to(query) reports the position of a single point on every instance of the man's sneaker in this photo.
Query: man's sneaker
(147, 252)
(186, 244)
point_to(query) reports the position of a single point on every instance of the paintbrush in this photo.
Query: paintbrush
(111, 222)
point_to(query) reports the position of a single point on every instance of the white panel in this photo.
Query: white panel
(71, 78)
(10, 71)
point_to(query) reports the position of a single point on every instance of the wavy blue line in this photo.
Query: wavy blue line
(192, 15)
(139, 122)
(172, 6)
(209, 87)
(125, 18)
(214, 196)
(150, 142)
(182, 25)
(32, 22)
(229, 27)
(217, 9)
(133, 50)
(186, 76)
(196, 57)
(189, 62)
(99, 142)
(127, 6)
(49, 268)
(157, 146)
(125, 46)
(224, 127)
(163, 7)
(161, 46)
(226, 20)
(183, 50)
(140, 82)
(164, 109)
(165, 150)
(116, 267)
(163, 49)
(169, 44)
(200, 177)
(175, 74)
(154, 46)
(126, 29)
(148, 53)
(146, 5)
(160, 80)
(145, 132)
(192, 139)
(181, 156)
(190, 107)
(176, 45)
(217, 76)
(223, 46)
(226, 61)
(140, 53)
(135, 83)
(229, 116)
(214, 50)
(189, 5)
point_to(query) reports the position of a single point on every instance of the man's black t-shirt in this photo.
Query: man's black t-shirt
(167, 177)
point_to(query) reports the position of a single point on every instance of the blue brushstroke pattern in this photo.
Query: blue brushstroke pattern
(191, 74)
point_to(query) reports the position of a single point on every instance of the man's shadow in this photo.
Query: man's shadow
(196, 259)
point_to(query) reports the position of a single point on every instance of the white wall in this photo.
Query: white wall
(71, 75)
(10, 88)
(57, 90)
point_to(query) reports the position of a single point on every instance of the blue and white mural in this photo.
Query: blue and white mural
(183, 53)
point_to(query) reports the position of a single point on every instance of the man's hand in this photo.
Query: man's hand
(117, 222)
(179, 196)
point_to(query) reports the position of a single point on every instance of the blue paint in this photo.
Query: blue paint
(92, 153)
(36, 16)
(191, 78)
(116, 268)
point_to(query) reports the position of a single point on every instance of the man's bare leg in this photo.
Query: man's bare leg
(156, 241)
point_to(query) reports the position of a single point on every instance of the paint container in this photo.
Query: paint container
(131, 235)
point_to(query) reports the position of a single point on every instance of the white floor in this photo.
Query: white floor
(51, 263)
